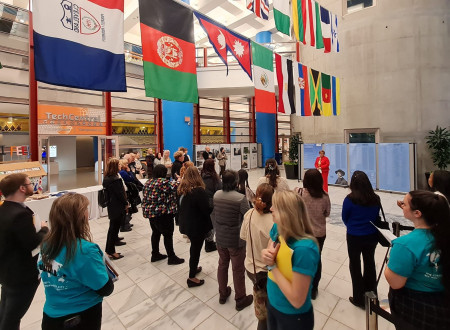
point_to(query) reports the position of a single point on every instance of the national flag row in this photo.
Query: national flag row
(313, 24)
(301, 90)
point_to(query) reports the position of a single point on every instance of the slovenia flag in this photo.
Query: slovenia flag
(79, 43)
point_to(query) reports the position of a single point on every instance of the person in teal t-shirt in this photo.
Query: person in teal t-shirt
(418, 270)
(72, 268)
(292, 257)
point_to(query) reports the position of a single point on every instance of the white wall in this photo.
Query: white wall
(67, 152)
(85, 151)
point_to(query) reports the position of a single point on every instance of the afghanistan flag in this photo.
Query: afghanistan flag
(264, 79)
(168, 47)
(315, 88)
(326, 94)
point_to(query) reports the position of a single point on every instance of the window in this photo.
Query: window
(369, 135)
(356, 5)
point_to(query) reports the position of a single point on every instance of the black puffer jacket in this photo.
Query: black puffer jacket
(117, 196)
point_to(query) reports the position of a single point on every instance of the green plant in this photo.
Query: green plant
(294, 141)
(438, 141)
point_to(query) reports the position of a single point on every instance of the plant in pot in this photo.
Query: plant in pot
(291, 167)
(438, 142)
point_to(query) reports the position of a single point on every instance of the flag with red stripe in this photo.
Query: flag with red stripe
(285, 85)
(259, 7)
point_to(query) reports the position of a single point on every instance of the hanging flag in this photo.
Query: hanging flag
(264, 79)
(302, 97)
(315, 89)
(326, 94)
(334, 34)
(299, 19)
(326, 28)
(336, 90)
(168, 50)
(224, 40)
(285, 85)
(259, 7)
(318, 28)
(282, 16)
(310, 35)
(216, 36)
(83, 47)
(240, 48)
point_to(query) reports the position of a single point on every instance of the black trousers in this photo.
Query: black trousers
(222, 169)
(194, 254)
(113, 232)
(366, 281)
(89, 319)
(317, 277)
(277, 320)
(162, 225)
(15, 301)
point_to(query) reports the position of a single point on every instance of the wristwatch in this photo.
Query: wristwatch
(270, 268)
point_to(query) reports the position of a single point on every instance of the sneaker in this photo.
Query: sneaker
(158, 257)
(210, 246)
(223, 300)
(174, 260)
(244, 302)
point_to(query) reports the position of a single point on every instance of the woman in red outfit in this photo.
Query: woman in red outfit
(323, 166)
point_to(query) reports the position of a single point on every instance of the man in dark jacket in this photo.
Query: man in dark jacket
(229, 209)
(19, 236)
(207, 153)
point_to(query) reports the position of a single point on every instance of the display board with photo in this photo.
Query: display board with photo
(253, 155)
(236, 158)
(245, 156)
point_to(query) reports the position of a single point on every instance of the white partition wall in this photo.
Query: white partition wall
(253, 155)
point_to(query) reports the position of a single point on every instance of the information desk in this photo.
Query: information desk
(42, 206)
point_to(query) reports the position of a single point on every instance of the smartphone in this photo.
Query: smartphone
(277, 241)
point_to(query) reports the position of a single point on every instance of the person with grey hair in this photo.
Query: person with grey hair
(167, 162)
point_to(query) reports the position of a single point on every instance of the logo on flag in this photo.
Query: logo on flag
(264, 79)
(301, 83)
(170, 51)
(79, 19)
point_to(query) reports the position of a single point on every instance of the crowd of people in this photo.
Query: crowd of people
(275, 236)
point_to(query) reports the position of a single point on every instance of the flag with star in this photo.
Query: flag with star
(224, 40)
(326, 94)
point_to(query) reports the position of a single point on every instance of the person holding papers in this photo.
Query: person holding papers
(291, 257)
(72, 268)
(360, 208)
(20, 234)
(418, 270)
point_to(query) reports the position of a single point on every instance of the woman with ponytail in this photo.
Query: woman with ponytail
(418, 270)
(255, 231)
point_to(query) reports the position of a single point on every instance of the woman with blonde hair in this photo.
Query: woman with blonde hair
(194, 218)
(72, 268)
(255, 231)
(184, 168)
(291, 257)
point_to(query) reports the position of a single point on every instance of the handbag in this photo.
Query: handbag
(250, 195)
(382, 224)
(259, 291)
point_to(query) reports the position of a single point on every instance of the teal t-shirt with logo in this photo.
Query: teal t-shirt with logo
(415, 257)
(70, 288)
(305, 259)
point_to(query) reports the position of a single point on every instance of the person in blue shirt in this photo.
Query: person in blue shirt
(418, 270)
(72, 268)
(292, 257)
(360, 208)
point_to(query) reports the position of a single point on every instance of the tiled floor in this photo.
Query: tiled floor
(155, 295)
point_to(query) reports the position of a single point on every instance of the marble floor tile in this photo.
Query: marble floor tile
(227, 310)
(333, 244)
(190, 313)
(324, 280)
(349, 315)
(142, 272)
(336, 256)
(245, 318)
(319, 320)
(325, 302)
(126, 299)
(340, 288)
(330, 267)
(130, 261)
(335, 325)
(155, 284)
(344, 273)
(162, 324)
(171, 297)
(214, 320)
(123, 283)
(141, 315)
(113, 324)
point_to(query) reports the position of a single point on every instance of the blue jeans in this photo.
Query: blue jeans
(277, 320)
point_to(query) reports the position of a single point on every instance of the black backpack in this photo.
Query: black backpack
(103, 198)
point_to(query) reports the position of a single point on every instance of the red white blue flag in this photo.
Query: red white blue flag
(224, 40)
(259, 7)
(79, 43)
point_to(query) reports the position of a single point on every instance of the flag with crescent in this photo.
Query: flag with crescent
(224, 40)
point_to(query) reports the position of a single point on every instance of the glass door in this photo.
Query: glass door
(108, 146)
(44, 159)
